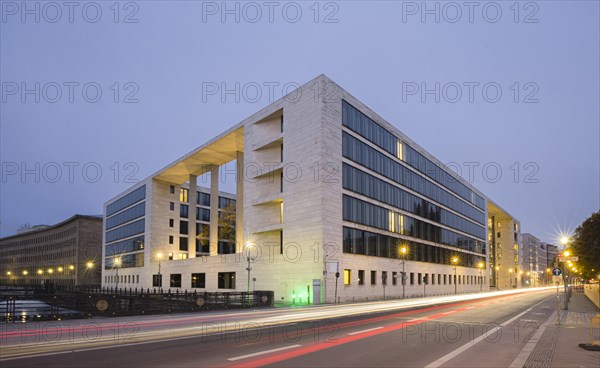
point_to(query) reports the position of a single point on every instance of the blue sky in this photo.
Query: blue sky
(154, 57)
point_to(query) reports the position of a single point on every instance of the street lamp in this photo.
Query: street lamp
(480, 265)
(116, 264)
(403, 251)
(455, 262)
(159, 257)
(249, 268)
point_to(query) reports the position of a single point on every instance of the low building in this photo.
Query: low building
(65, 254)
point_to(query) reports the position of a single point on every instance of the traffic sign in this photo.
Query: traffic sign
(556, 271)
(556, 279)
(566, 259)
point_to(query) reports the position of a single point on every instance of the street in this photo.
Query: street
(489, 331)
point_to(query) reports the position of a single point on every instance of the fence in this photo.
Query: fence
(592, 291)
(30, 304)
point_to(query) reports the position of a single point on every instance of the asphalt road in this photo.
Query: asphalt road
(486, 332)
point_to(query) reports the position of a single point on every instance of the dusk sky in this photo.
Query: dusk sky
(153, 60)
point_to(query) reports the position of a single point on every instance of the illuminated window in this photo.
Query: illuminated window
(392, 223)
(281, 213)
(361, 277)
(183, 195)
(400, 150)
(347, 277)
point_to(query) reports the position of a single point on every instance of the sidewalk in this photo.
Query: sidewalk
(558, 345)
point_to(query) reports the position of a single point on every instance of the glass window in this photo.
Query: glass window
(203, 214)
(199, 280)
(226, 280)
(203, 199)
(183, 210)
(175, 280)
(384, 277)
(183, 227)
(373, 277)
(126, 201)
(183, 243)
(394, 278)
(157, 280)
(347, 277)
(183, 195)
(172, 189)
(361, 277)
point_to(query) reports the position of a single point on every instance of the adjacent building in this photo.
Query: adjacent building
(331, 202)
(65, 254)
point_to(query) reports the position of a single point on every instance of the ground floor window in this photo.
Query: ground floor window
(198, 280)
(347, 277)
(157, 280)
(175, 280)
(226, 280)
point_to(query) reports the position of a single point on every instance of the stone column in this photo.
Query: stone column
(239, 203)
(214, 210)
(192, 199)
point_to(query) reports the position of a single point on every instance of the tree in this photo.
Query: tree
(586, 245)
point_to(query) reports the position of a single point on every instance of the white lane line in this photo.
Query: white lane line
(472, 343)
(262, 353)
(363, 331)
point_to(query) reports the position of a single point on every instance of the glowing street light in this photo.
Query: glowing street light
(159, 257)
(116, 264)
(59, 269)
(89, 265)
(25, 273)
(455, 262)
(403, 251)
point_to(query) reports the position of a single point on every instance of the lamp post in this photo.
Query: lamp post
(480, 266)
(403, 251)
(249, 268)
(117, 264)
(159, 257)
(455, 262)
(497, 272)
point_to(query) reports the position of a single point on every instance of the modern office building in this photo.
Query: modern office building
(331, 201)
(65, 254)
(534, 260)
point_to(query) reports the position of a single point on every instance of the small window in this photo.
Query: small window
(384, 277)
(172, 206)
(373, 277)
(419, 278)
(170, 239)
(171, 223)
(199, 280)
(412, 278)
(175, 280)
(347, 277)
(394, 278)
(361, 277)
(170, 256)
(498, 235)
(172, 189)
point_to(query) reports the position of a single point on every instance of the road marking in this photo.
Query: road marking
(529, 320)
(470, 307)
(262, 353)
(472, 343)
(449, 312)
(363, 331)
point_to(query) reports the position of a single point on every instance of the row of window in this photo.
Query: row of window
(375, 133)
(125, 246)
(364, 213)
(134, 228)
(372, 187)
(123, 279)
(422, 278)
(225, 280)
(139, 210)
(125, 261)
(371, 244)
(126, 201)
(369, 157)
(16, 247)
(202, 198)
